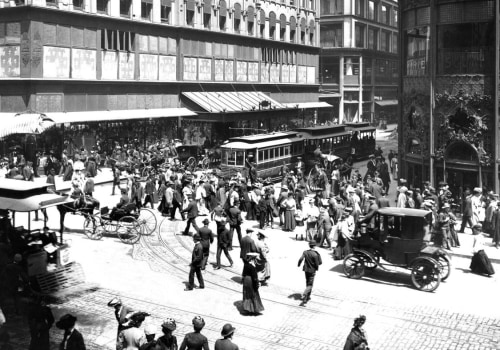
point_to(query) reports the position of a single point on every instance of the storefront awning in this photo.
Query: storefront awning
(384, 103)
(23, 123)
(307, 105)
(331, 95)
(128, 114)
(232, 101)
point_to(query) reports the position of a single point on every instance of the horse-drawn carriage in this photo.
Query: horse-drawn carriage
(400, 239)
(128, 223)
(191, 156)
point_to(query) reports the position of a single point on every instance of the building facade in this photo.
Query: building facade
(449, 101)
(359, 58)
(78, 60)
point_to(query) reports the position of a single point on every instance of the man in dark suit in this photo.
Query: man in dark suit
(235, 220)
(207, 237)
(192, 213)
(370, 216)
(247, 245)
(222, 244)
(312, 260)
(122, 314)
(72, 339)
(467, 211)
(383, 202)
(196, 262)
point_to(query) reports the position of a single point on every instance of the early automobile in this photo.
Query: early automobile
(400, 238)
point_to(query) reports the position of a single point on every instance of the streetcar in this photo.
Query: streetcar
(362, 139)
(269, 152)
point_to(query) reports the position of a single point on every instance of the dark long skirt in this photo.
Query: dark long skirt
(289, 220)
(481, 264)
(345, 246)
(251, 298)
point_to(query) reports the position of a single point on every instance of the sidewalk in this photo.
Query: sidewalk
(465, 249)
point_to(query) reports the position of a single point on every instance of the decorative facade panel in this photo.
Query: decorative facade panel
(168, 68)
(148, 67)
(83, 64)
(229, 68)
(293, 74)
(190, 67)
(241, 71)
(264, 72)
(56, 61)
(285, 73)
(10, 62)
(219, 70)
(204, 69)
(109, 65)
(302, 75)
(253, 71)
(126, 63)
(274, 73)
(311, 75)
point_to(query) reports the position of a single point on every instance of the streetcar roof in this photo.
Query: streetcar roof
(407, 212)
(263, 144)
(323, 129)
(263, 137)
(365, 128)
(358, 125)
(308, 136)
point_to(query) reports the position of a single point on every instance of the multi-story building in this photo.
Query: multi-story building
(146, 69)
(359, 58)
(449, 104)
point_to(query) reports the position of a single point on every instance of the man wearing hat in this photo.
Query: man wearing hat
(247, 245)
(122, 313)
(207, 237)
(226, 342)
(371, 167)
(442, 234)
(192, 214)
(223, 243)
(370, 216)
(466, 211)
(234, 219)
(312, 260)
(196, 264)
(477, 205)
(325, 224)
(72, 339)
(282, 197)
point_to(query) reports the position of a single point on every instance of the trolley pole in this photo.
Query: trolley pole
(495, 96)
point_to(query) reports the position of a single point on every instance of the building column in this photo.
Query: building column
(341, 90)
(360, 100)
(496, 96)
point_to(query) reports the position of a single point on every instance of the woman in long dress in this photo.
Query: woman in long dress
(251, 298)
(262, 264)
(480, 263)
(290, 207)
(356, 340)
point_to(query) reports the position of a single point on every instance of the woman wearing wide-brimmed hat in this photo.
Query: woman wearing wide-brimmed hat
(195, 340)
(226, 342)
(167, 341)
(251, 298)
(356, 340)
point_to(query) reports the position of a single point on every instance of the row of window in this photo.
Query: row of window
(373, 10)
(237, 158)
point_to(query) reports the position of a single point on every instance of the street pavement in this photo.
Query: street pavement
(151, 276)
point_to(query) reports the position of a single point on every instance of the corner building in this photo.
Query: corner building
(123, 70)
(359, 58)
(449, 93)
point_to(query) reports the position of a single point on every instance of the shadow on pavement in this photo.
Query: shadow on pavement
(295, 296)
(237, 279)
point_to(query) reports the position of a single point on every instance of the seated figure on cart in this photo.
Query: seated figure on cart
(124, 206)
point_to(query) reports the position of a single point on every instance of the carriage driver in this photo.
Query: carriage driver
(124, 201)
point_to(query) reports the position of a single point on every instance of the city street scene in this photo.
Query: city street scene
(254, 175)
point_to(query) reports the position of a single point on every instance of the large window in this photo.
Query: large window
(330, 70)
(384, 14)
(332, 7)
(417, 51)
(237, 18)
(372, 10)
(146, 9)
(272, 25)
(331, 35)
(372, 38)
(77, 4)
(359, 30)
(165, 10)
(102, 6)
(360, 8)
(466, 48)
(222, 15)
(125, 8)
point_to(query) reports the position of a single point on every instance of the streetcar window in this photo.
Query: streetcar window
(261, 156)
(266, 154)
(231, 158)
(240, 158)
(282, 152)
(287, 150)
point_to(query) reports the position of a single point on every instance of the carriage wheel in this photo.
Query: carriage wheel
(90, 228)
(148, 220)
(370, 264)
(128, 230)
(354, 266)
(425, 275)
(205, 163)
(444, 267)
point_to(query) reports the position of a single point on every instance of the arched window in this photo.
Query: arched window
(237, 17)
(282, 27)
(272, 25)
(262, 23)
(312, 27)
(303, 31)
(207, 13)
(190, 10)
(250, 19)
(413, 147)
(222, 15)
(293, 28)
(461, 150)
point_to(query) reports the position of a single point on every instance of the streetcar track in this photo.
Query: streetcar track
(421, 318)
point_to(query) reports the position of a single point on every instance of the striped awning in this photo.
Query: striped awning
(232, 101)
(23, 123)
